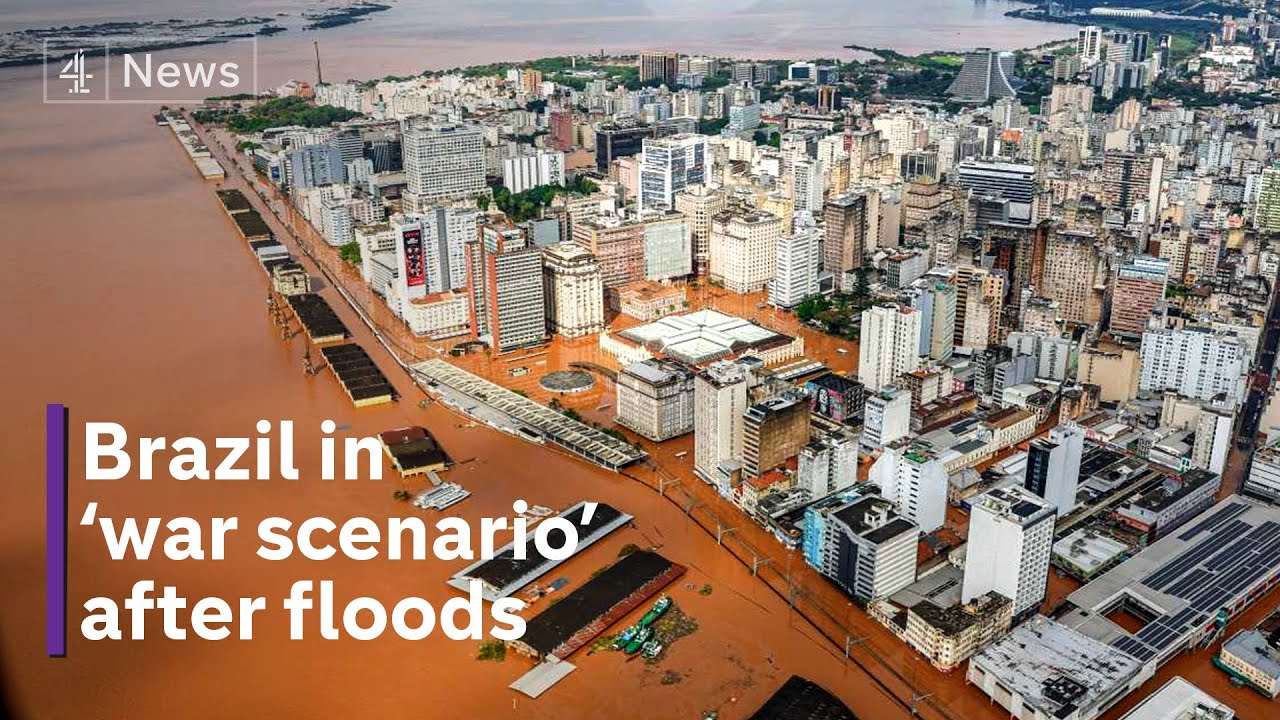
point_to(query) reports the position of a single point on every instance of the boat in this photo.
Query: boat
(624, 637)
(659, 608)
(638, 641)
(651, 649)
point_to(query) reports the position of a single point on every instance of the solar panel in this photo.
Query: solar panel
(1218, 518)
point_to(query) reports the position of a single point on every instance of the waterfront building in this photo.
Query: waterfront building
(865, 547)
(774, 431)
(1010, 545)
(655, 398)
(505, 287)
(720, 403)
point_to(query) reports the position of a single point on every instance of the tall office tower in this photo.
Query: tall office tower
(774, 431)
(662, 66)
(1019, 251)
(1009, 188)
(1139, 289)
(886, 418)
(799, 255)
(561, 130)
(699, 205)
(1089, 45)
(441, 162)
(719, 404)
(744, 249)
(828, 463)
(1053, 467)
(936, 300)
(863, 545)
(619, 140)
(1266, 214)
(1140, 43)
(655, 398)
(1072, 264)
(525, 172)
(668, 166)
(1197, 362)
(807, 178)
(504, 284)
(919, 166)
(1010, 543)
(1132, 180)
(890, 344)
(314, 166)
(986, 75)
(915, 481)
(844, 239)
(574, 290)
(431, 249)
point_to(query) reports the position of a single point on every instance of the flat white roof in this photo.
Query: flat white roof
(1180, 700)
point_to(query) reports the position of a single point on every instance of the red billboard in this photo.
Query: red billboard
(413, 269)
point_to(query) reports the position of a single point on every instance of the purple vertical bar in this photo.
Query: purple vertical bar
(55, 546)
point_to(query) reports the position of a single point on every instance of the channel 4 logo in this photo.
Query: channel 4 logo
(148, 70)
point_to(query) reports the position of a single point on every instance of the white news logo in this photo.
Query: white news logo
(74, 71)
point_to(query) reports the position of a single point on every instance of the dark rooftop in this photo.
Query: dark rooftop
(801, 699)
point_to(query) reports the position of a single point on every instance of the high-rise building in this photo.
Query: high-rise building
(525, 172)
(1266, 214)
(1053, 467)
(431, 251)
(744, 249)
(773, 431)
(620, 140)
(886, 418)
(720, 403)
(935, 299)
(1132, 180)
(844, 240)
(1212, 439)
(1197, 362)
(1071, 268)
(1139, 289)
(807, 179)
(668, 166)
(662, 66)
(504, 283)
(913, 478)
(1010, 543)
(441, 162)
(863, 545)
(574, 290)
(799, 256)
(890, 344)
(699, 206)
(1263, 481)
(561, 130)
(985, 75)
(655, 398)
(314, 166)
(1089, 45)
(1010, 186)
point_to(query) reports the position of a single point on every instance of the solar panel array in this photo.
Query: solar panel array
(1233, 556)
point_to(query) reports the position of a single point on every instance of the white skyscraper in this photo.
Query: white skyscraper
(828, 463)
(1053, 467)
(441, 161)
(914, 480)
(806, 184)
(668, 166)
(799, 254)
(890, 344)
(719, 400)
(1089, 45)
(574, 290)
(1010, 542)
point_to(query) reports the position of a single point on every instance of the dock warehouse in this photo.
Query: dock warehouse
(580, 616)
(318, 319)
(360, 378)
(504, 575)
(413, 450)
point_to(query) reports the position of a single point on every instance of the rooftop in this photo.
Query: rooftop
(1179, 700)
(701, 336)
(1053, 667)
(1253, 648)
